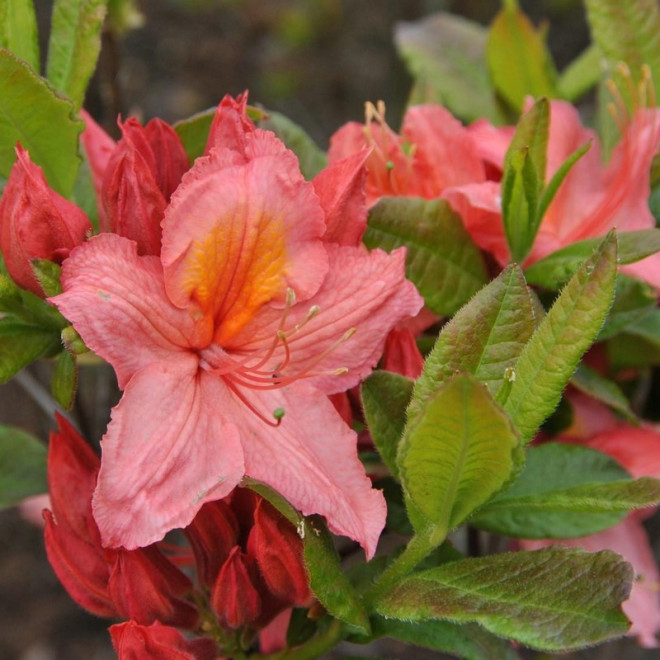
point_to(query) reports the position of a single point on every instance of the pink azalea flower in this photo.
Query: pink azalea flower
(228, 344)
(434, 152)
(594, 198)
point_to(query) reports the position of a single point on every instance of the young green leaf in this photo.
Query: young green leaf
(456, 454)
(18, 30)
(22, 466)
(627, 31)
(518, 59)
(74, 46)
(633, 300)
(600, 388)
(466, 640)
(555, 269)
(566, 491)
(29, 108)
(523, 179)
(552, 354)
(445, 54)
(638, 345)
(327, 580)
(385, 397)
(65, 379)
(194, 132)
(21, 344)
(484, 338)
(556, 599)
(441, 260)
(581, 74)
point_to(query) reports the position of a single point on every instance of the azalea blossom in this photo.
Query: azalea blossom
(594, 197)
(228, 344)
(434, 152)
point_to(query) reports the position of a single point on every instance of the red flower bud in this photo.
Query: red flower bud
(230, 125)
(158, 642)
(276, 546)
(133, 201)
(36, 223)
(98, 146)
(170, 158)
(212, 534)
(142, 173)
(235, 597)
(144, 586)
(80, 567)
(401, 354)
(73, 543)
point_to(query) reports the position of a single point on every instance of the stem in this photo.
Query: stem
(417, 549)
(311, 649)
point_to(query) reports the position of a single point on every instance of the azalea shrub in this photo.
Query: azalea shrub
(395, 389)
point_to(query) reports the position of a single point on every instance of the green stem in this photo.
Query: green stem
(311, 649)
(417, 549)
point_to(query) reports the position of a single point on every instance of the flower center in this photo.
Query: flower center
(253, 371)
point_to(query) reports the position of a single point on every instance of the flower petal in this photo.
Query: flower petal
(117, 303)
(340, 188)
(167, 451)
(311, 459)
(364, 292)
(236, 236)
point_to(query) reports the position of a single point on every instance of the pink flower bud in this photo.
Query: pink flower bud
(170, 158)
(276, 546)
(212, 535)
(235, 597)
(36, 222)
(401, 354)
(145, 586)
(158, 642)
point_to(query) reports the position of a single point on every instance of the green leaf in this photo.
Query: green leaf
(65, 379)
(27, 307)
(467, 640)
(523, 179)
(484, 338)
(627, 31)
(639, 345)
(555, 269)
(18, 30)
(518, 59)
(74, 46)
(633, 300)
(385, 397)
(445, 54)
(48, 273)
(558, 178)
(328, 582)
(22, 466)
(312, 159)
(456, 454)
(552, 354)
(555, 599)
(565, 491)
(441, 259)
(581, 74)
(29, 109)
(21, 344)
(596, 386)
(194, 132)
